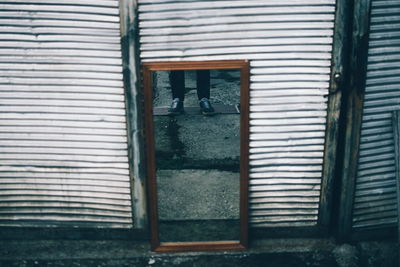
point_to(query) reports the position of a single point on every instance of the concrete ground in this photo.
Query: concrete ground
(198, 205)
(208, 194)
(271, 253)
(197, 142)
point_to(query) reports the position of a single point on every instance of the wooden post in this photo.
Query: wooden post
(339, 69)
(354, 96)
(134, 107)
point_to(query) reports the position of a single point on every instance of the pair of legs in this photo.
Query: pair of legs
(177, 81)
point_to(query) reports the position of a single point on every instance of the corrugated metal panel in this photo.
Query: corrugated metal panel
(375, 196)
(289, 46)
(63, 143)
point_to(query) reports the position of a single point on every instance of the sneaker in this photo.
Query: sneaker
(205, 107)
(176, 107)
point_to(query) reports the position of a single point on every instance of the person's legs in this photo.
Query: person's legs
(177, 82)
(203, 92)
(203, 84)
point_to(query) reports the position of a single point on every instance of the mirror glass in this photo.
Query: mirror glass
(196, 131)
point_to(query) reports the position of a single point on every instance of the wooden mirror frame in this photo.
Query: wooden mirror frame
(147, 69)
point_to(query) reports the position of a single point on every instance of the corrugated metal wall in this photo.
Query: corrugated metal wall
(375, 196)
(63, 144)
(288, 44)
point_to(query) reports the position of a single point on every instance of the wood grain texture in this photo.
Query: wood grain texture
(354, 108)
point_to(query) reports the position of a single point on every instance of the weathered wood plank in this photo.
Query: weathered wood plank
(355, 84)
(134, 107)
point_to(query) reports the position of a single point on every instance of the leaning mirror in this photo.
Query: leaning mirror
(197, 154)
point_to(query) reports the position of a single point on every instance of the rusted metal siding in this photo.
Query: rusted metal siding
(63, 143)
(375, 195)
(288, 44)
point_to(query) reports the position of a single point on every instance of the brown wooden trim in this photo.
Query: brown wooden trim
(151, 174)
(199, 246)
(148, 68)
(196, 65)
(244, 151)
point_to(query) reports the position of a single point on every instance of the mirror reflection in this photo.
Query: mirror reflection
(196, 122)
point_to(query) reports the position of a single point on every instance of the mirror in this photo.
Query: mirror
(197, 152)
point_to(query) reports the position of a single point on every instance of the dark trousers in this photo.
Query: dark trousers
(177, 81)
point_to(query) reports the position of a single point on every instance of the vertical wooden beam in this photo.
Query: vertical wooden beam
(354, 96)
(244, 152)
(134, 108)
(396, 136)
(339, 69)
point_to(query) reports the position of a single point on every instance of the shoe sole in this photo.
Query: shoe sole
(175, 113)
(208, 113)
